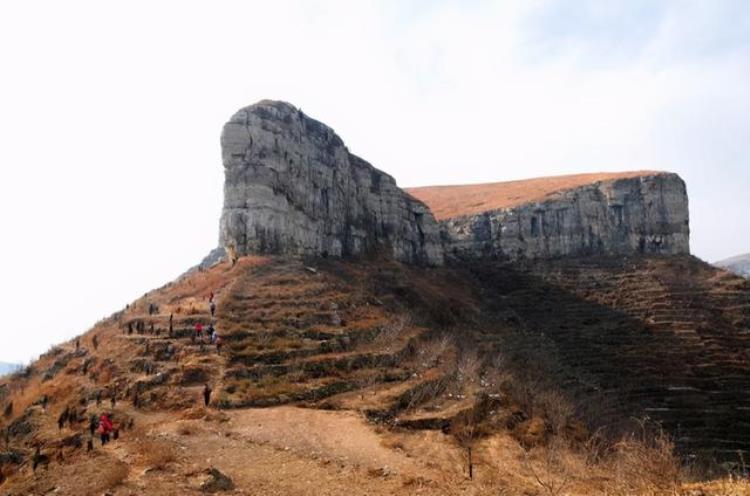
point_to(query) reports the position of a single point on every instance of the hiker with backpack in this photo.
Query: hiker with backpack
(105, 428)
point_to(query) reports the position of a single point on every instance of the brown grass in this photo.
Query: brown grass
(156, 454)
(455, 201)
(112, 475)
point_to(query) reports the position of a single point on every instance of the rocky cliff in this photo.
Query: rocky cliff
(609, 214)
(292, 187)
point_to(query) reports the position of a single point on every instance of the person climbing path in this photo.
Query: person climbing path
(93, 423)
(105, 428)
(218, 344)
(199, 330)
(212, 307)
(62, 418)
(206, 394)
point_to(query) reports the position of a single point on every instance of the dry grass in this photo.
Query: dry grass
(112, 475)
(156, 454)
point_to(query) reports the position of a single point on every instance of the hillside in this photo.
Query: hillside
(740, 265)
(374, 377)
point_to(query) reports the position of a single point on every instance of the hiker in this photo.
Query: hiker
(61, 419)
(105, 428)
(136, 399)
(39, 459)
(212, 307)
(211, 332)
(95, 342)
(93, 423)
(199, 330)
(206, 394)
(113, 397)
(78, 344)
(211, 297)
(171, 316)
(218, 344)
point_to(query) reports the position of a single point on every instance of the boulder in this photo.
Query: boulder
(216, 482)
(292, 187)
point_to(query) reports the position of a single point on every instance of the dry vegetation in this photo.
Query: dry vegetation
(412, 385)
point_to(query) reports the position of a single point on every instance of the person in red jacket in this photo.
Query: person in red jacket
(105, 428)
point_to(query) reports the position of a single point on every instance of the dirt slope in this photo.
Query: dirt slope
(371, 377)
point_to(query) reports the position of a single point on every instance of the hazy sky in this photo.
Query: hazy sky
(110, 114)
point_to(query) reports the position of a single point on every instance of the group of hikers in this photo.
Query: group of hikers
(103, 425)
(213, 336)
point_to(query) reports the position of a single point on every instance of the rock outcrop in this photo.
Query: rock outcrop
(607, 214)
(292, 187)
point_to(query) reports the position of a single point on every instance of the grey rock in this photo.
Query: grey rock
(216, 482)
(643, 214)
(292, 187)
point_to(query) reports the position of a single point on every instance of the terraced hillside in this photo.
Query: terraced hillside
(665, 337)
(504, 358)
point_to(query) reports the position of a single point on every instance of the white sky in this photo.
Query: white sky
(110, 114)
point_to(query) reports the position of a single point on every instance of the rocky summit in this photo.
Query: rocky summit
(292, 187)
(586, 214)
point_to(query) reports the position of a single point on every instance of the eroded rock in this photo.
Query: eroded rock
(292, 187)
(646, 213)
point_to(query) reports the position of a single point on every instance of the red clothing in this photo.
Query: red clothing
(105, 425)
(198, 328)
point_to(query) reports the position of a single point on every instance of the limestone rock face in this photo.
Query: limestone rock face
(642, 214)
(292, 187)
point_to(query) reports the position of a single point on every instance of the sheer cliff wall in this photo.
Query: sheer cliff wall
(292, 187)
(615, 214)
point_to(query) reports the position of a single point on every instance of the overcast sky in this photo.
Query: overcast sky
(110, 114)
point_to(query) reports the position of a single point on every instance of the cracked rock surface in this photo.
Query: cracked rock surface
(292, 187)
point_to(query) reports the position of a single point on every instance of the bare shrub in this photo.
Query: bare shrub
(156, 454)
(644, 462)
(469, 367)
(429, 353)
(553, 473)
(556, 408)
(112, 475)
(389, 334)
